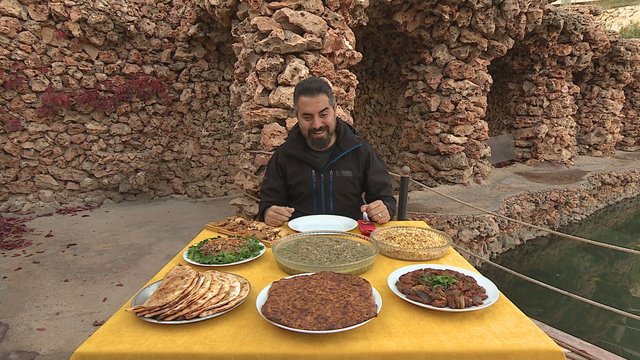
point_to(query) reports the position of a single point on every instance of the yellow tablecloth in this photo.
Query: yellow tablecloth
(401, 330)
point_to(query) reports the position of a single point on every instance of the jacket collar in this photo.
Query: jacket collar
(346, 138)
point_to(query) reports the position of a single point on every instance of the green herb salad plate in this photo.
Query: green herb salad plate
(253, 250)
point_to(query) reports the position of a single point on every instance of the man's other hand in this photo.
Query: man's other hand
(277, 215)
(377, 211)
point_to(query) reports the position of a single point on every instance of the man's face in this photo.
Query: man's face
(317, 120)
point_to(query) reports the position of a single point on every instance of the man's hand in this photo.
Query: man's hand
(277, 215)
(377, 212)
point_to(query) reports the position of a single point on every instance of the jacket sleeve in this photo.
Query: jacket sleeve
(273, 190)
(378, 182)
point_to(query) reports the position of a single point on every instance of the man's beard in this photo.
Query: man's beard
(319, 144)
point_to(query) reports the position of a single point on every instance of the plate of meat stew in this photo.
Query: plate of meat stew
(443, 287)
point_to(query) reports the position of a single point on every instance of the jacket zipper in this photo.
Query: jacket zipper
(313, 173)
(324, 208)
(340, 156)
(331, 190)
(314, 191)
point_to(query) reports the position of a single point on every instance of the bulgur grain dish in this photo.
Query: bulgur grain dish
(411, 243)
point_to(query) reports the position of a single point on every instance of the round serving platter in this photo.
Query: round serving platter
(490, 287)
(262, 251)
(146, 292)
(264, 294)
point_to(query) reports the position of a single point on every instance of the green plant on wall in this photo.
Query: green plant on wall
(630, 31)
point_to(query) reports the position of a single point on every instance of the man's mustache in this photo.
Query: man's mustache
(322, 128)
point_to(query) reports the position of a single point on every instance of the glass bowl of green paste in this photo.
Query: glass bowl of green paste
(339, 252)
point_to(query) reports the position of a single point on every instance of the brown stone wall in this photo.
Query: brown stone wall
(112, 100)
(441, 69)
(126, 99)
(380, 104)
(600, 117)
(618, 17)
(499, 103)
(630, 127)
(488, 235)
(536, 99)
(277, 45)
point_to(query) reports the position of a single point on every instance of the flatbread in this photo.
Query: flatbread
(199, 290)
(160, 309)
(200, 294)
(245, 288)
(174, 285)
(234, 290)
(225, 285)
(186, 296)
(212, 290)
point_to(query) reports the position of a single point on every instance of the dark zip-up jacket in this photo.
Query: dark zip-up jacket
(336, 188)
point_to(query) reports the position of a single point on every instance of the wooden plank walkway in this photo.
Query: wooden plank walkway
(575, 348)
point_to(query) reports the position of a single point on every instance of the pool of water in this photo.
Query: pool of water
(606, 276)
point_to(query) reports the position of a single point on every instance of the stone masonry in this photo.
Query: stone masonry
(488, 235)
(136, 98)
(112, 100)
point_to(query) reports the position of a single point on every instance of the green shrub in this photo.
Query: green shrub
(630, 31)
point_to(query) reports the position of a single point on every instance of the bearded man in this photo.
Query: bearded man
(324, 167)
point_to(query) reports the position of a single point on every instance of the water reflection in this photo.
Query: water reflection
(603, 275)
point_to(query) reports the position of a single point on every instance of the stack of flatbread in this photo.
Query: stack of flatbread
(186, 294)
(239, 226)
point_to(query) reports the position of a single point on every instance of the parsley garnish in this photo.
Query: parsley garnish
(437, 281)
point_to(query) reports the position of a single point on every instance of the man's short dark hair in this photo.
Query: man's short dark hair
(312, 87)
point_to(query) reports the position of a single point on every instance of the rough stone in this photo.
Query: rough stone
(313, 6)
(38, 12)
(265, 24)
(272, 136)
(306, 21)
(9, 26)
(295, 71)
(13, 9)
(282, 97)
(434, 88)
(285, 42)
(46, 181)
(12, 148)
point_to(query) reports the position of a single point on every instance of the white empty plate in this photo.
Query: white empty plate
(322, 223)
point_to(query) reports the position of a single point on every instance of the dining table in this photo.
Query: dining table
(401, 329)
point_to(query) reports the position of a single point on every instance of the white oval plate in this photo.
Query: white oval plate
(490, 287)
(184, 256)
(264, 294)
(145, 293)
(322, 223)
